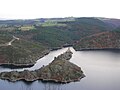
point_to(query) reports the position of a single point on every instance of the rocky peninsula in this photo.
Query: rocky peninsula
(59, 70)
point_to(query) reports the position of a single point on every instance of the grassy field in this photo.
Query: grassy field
(46, 24)
(26, 28)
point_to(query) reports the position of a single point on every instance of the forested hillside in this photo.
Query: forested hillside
(38, 36)
(53, 33)
(104, 40)
(20, 52)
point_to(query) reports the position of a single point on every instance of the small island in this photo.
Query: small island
(59, 70)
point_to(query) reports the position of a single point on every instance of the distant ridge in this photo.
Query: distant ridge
(111, 21)
(3, 19)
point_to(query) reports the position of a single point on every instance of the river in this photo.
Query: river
(102, 70)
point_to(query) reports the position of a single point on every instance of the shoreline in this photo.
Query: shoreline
(44, 80)
(14, 65)
(98, 49)
(60, 70)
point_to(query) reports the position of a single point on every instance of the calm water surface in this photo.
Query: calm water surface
(102, 70)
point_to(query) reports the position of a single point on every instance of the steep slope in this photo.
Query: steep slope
(105, 40)
(20, 52)
(53, 36)
(83, 27)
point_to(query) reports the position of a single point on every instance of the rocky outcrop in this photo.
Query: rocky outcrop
(105, 40)
(59, 70)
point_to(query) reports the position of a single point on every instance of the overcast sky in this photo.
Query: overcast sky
(26, 9)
